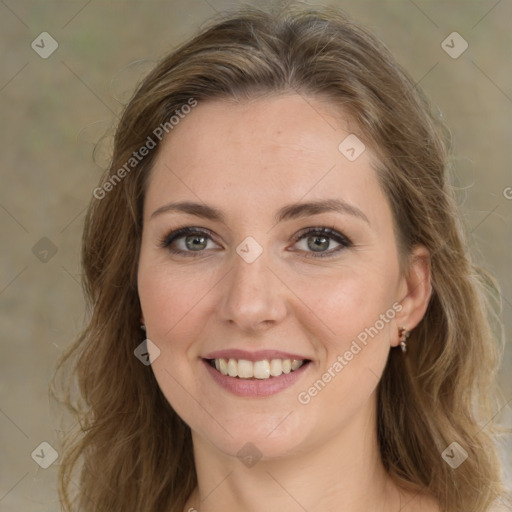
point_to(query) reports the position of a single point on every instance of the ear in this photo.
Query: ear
(415, 290)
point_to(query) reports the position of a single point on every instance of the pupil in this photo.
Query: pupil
(319, 243)
(195, 242)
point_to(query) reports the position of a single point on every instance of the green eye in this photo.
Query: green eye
(196, 242)
(187, 241)
(319, 242)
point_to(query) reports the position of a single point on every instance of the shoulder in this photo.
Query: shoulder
(419, 502)
(427, 503)
(414, 499)
(499, 506)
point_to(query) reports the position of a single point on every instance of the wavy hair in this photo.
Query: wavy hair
(131, 451)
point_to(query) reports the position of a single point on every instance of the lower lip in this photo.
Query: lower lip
(256, 387)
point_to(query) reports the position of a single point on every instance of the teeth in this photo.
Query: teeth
(265, 369)
(232, 368)
(296, 364)
(276, 367)
(223, 366)
(245, 370)
(261, 369)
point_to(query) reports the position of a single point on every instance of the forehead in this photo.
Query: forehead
(268, 150)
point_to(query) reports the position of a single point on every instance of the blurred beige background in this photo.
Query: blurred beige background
(54, 109)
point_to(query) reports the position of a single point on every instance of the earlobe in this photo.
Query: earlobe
(415, 290)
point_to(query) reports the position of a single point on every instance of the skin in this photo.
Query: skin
(249, 159)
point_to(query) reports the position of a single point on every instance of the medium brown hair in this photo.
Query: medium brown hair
(131, 450)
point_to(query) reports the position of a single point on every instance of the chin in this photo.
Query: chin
(256, 438)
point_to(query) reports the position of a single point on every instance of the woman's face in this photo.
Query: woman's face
(290, 255)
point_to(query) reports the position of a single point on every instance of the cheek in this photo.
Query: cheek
(351, 319)
(354, 344)
(169, 299)
(170, 303)
(346, 302)
(174, 313)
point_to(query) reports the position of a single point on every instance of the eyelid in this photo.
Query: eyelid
(170, 237)
(330, 232)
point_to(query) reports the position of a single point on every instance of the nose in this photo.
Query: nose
(253, 298)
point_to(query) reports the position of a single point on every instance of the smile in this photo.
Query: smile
(264, 369)
(256, 379)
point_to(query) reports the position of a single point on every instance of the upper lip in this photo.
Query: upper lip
(252, 356)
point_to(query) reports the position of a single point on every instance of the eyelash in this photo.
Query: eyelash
(343, 240)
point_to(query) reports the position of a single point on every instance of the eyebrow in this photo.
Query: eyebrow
(292, 211)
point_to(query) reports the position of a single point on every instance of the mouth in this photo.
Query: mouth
(265, 369)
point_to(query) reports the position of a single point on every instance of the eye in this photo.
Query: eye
(318, 242)
(188, 241)
(321, 242)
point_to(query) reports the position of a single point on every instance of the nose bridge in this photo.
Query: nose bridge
(253, 297)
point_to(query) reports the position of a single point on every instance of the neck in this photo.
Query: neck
(344, 473)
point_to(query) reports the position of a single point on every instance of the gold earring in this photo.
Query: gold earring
(404, 335)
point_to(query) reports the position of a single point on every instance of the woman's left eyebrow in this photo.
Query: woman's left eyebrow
(292, 211)
(296, 210)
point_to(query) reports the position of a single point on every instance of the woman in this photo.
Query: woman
(284, 313)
